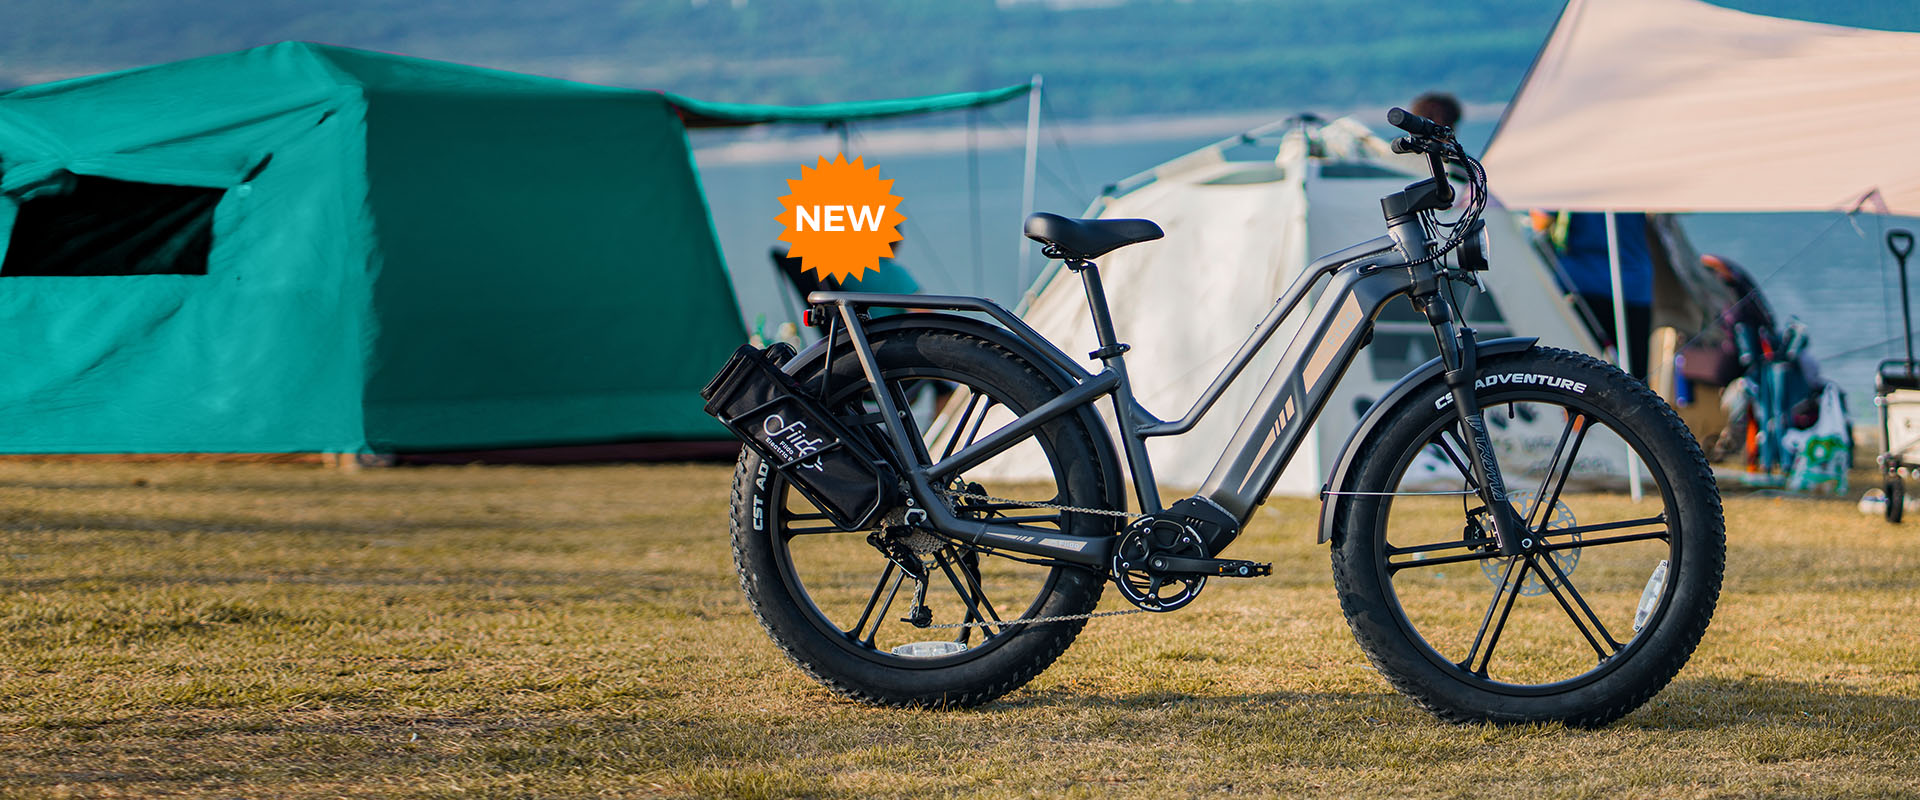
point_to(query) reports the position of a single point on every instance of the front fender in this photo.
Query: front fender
(1388, 404)
(999, 336)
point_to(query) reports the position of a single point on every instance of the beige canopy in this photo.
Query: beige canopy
(1677, 105)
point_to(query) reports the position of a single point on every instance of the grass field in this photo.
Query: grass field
(286, 631)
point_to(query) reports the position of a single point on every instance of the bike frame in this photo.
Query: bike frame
(1362, 280)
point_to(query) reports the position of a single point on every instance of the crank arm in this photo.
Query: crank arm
(1181, 567)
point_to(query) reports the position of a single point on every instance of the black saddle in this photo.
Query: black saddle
(1088, 238)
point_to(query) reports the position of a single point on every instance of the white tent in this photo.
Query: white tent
(1240, 224)
(1678, 105)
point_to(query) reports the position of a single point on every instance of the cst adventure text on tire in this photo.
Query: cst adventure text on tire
(789, 594)
(1579, 648)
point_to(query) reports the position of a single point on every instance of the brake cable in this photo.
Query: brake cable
(1475, 207)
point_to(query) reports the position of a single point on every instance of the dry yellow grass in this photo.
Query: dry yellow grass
(281, 631)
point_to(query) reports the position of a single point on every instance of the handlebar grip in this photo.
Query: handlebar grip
(1413, 123)
(1404, 145)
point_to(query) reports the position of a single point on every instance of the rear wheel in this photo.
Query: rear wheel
(1581, 631)
(858, 610)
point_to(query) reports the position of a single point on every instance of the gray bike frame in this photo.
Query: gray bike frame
(1364, 278)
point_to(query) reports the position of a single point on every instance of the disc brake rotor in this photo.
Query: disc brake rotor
(1558, 518)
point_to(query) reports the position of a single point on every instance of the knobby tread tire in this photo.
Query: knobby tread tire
(1031, 649)
(1388, 646)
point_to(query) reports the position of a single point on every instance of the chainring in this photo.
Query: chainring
(1143, 540)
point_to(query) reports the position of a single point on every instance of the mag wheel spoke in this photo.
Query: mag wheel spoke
(1586, 611)
(1496, 617)
(960, 425)
(1450, 445)
(1615, 526)
(901, 403)
(881, 618)
(1431, 548)
(979, 609)
(811, 530)
(867, 612)
(1558, 469)
(1396, 566)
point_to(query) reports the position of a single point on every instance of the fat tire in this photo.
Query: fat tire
(1394, 651)
(785, 613)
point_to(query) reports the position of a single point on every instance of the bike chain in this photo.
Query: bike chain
(1037, 620)
(1038, 504)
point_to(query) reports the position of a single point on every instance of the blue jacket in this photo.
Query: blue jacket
(1584, 256)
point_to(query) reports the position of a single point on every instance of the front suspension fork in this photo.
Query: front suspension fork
(1460, 357)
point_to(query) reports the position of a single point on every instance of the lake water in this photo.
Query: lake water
(1826, 269)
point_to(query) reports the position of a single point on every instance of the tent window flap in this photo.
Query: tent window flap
(102, 226)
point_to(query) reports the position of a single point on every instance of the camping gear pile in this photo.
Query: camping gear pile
(1785, 424)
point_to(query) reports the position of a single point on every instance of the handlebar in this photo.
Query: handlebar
(1415, 124)
(1437, 143)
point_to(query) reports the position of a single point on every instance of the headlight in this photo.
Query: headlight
(1474, 253)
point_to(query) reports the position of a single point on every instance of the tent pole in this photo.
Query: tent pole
(1620, 334)
(973, 198)
(1027, 179)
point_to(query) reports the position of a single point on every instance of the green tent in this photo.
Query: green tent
(307, 248)
(310, 248)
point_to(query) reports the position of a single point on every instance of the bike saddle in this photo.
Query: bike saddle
(1088, 238)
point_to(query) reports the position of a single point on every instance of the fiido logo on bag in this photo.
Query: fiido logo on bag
(792, 439)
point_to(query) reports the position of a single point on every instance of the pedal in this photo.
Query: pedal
(1209, 567)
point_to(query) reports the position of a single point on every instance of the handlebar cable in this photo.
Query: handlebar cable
(1475, 206)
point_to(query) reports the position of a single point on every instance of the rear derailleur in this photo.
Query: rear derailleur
(1163, 561)
(912, 549)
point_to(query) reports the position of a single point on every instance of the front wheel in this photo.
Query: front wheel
(1594, 621)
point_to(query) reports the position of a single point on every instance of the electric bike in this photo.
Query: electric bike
(1484, 554)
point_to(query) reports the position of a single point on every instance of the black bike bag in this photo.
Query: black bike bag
(789, 427)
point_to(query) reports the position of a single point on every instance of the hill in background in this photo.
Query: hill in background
(1100, 59)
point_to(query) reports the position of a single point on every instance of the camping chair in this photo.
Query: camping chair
(1774, 384)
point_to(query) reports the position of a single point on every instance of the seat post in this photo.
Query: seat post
(1109, 354)
(1097, 303)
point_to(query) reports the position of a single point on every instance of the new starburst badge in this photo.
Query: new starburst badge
(840, 219)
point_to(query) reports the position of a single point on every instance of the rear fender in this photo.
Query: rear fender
(1001, 337)
(1383, 410)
